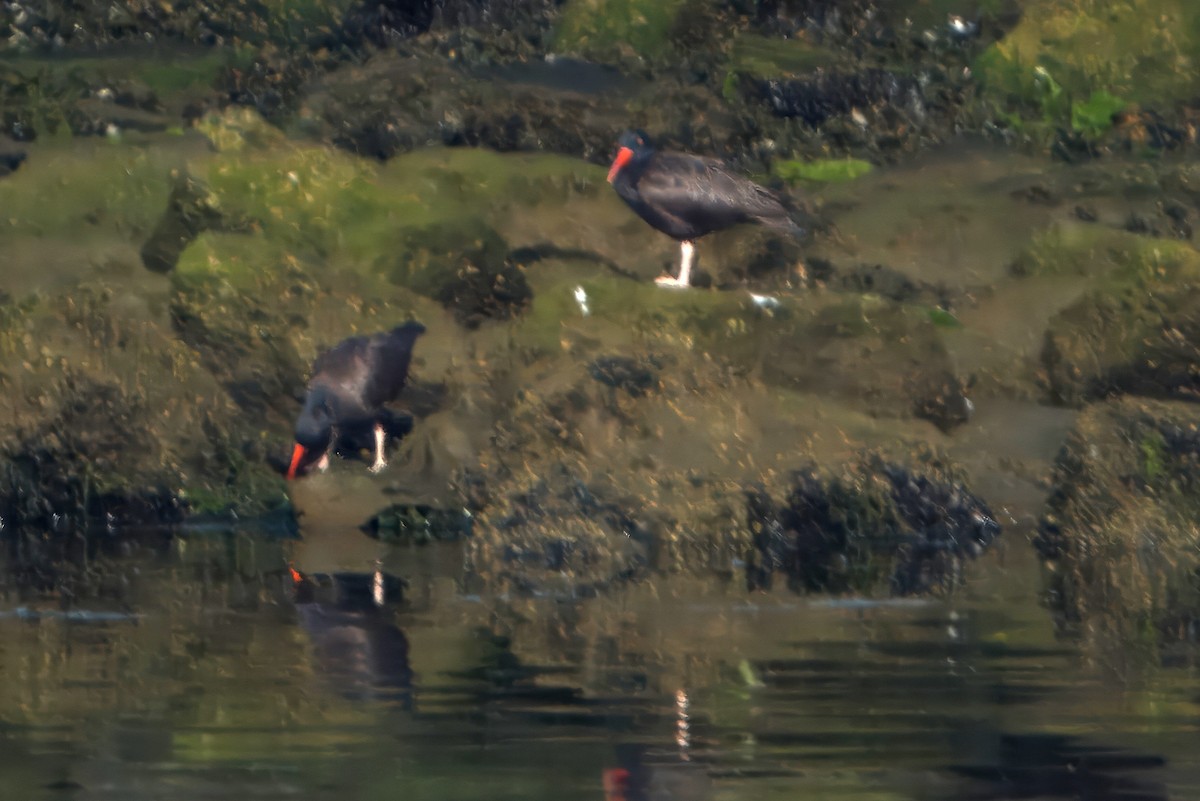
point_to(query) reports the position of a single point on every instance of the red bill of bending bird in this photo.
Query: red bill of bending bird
(344, 409)
(687, 196)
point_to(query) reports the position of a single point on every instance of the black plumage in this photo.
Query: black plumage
(687, 196)
(345, 405)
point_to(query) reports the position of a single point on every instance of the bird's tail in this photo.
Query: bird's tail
(783, 214)
(784, 223)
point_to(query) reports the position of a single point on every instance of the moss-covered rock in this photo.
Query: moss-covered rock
(821, 171)
(191, 210)
(1119, 534)
(235, 309)
(1075, 65)
(607, 29)
(502, 24)
(1133, 332)
(111, 414)
(1108, 255)
(463, 264)
(629, 421)
(336, 205)
(89, 24)
(901, 364)
(761, 56)
(320, 204)
(876, 524)
(115, 96)
(397, 103)
(875, 355)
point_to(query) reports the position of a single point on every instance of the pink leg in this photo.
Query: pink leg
(380, 462)
(687, 257)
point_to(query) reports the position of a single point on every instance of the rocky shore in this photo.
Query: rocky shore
(199, 202)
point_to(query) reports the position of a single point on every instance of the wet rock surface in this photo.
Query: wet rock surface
(596, 429)
(1119, 532)
(1135, 334)
(400, 101)
(308, 173)
(752, 527)
(189, 213)
(385, 24)
(879, 522)
(89, 428)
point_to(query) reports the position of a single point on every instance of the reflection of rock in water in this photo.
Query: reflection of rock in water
(356, 647)
(1051, 766)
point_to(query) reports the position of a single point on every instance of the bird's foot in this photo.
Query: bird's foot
(323, 465)
(671, 282)
(379, 465)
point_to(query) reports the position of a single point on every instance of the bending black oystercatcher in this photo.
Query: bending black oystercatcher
(687, 196)
(662, 778)
(351, 382)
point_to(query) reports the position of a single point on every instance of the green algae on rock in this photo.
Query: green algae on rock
(627, 440)
(1119, 533)
(821, 170)
(605, 27)
(767, 57)
(139, 424)
(191, 210)
(902, 366)
(1133, 331)
(1073, 248)
(1077, 62)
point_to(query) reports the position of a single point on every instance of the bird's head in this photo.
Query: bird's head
(314, 430)
(632, 146)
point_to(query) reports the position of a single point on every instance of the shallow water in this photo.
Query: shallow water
(211, 682)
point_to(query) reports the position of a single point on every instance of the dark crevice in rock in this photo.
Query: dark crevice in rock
(887, 522)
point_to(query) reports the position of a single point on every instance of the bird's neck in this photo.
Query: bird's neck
(321, 396)
(626, 182)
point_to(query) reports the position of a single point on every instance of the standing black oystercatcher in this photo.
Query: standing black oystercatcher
(351, 382)
(687, 197)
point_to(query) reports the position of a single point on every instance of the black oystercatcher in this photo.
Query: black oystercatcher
(345, 405)
(687, 197)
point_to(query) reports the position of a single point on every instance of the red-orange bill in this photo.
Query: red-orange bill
(623, 157)
(297, 455)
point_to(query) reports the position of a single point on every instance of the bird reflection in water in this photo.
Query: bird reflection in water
(356, 646)
(642, 775)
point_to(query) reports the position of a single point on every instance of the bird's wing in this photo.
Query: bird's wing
(345, 366)
(691, 187)
(389, 357)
